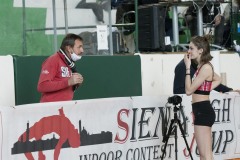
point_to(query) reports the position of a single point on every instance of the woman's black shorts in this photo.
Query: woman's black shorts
(204, 114)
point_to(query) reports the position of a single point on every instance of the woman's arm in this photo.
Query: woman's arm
(216, 81)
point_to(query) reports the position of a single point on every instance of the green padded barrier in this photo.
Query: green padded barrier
(109, 76)
(26, 74)
(104, 76)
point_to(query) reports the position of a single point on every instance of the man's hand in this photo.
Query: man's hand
(188, 18)
(236, 90)
(217, 20)
(76, 78)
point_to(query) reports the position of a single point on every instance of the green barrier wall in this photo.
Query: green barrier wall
(26, 74)
(104, 76)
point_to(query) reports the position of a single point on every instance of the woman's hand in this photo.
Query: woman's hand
(187, 60)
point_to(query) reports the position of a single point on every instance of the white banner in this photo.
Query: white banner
(130, 128)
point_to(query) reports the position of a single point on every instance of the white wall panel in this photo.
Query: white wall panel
(7, 91)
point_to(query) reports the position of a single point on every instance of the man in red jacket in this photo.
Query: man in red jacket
(59, 78)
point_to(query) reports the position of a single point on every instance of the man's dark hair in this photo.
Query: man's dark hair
(69, 40)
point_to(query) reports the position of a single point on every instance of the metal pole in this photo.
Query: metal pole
(200, 21)
(231, 23)
(54, 25)
(136, 26)
(65, 16)
(76, 27)
(110, 29)
(175, 25)
(24, 40)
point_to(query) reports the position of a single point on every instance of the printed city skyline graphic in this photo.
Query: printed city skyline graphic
(70, 138)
